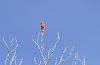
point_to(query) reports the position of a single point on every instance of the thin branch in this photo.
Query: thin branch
(5, 43)
(11, 45)
(40, 63)
(51, 51)
(12, 59)
(61, 57)
(5, 62)
(14, 51)
(40, 48)
(11, 51)
(84, 61)
(56, 61)
(72, 49)
(20, 63)
(58, 36)
(15, 60)
(36, 43)
(35, 62)
(38, 37)
(75, 58)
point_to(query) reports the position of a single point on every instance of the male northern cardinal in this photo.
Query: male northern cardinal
(42, 25)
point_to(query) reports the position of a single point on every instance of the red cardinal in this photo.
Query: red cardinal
(42, 25)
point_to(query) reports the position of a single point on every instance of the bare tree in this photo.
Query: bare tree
(44, 60)
(10, 59)
(11, 47)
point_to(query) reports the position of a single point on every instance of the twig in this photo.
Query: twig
(5, 44)
(84, 61)
(51, 51)
(10, 52)
(61, 57)
(40, 47)
(15, 60)
(20, 63)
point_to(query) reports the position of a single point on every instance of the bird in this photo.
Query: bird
(42, 25)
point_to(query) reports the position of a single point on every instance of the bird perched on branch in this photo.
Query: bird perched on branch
(42, 25)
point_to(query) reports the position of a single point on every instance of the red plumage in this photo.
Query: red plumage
(42, 25)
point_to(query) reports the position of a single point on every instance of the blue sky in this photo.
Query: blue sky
(78, 22)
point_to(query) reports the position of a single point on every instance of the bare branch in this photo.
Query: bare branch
(12, 40)
(84, 61)
(11, 51)
(72, 49)
(5, 62)
(35, 62)
(38, 37)
(51, 51)
(36, 43)
(20, 63)
(56, 61)
(40, 47)
(40, 63)
(14, 53)
(5, 43)
(45, 60)
(75, 58)
(61, 57)
(12, 59)
(15, 60)
(58, 36)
